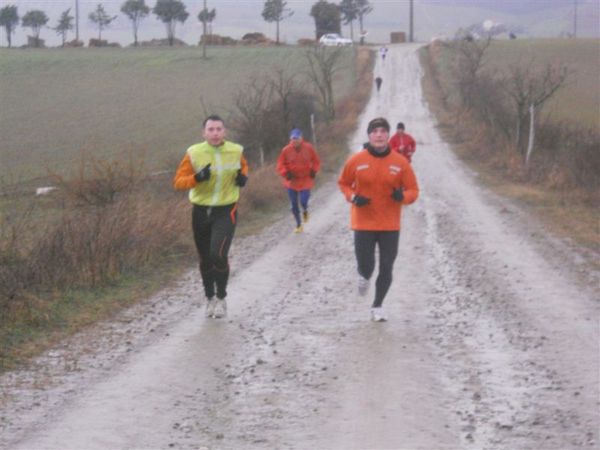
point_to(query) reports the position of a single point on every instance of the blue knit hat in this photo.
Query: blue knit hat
(296, 133)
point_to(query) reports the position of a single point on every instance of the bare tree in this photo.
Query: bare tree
(528, 90)
(65, 23)
(470, 58)
(248, 118)
(276, 11)
(136, 10)
(349, 10)
(101, 18)
(284, 86)
(323, 64)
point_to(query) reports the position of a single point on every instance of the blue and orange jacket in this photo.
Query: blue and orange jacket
(299, 162)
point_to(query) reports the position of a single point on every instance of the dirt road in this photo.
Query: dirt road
(492, 342)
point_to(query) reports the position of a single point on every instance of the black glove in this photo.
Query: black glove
(359, 200)
(313, 174)
(240, 178)
(398, 194)
(203, 174)
(288, 175)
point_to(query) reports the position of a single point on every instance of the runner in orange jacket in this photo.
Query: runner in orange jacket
(403, 143)
(298, 164)
(377, 181)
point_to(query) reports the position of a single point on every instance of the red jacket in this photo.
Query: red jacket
(375, 177)
(299, 162)
(404, 144)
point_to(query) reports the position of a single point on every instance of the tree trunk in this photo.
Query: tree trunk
(362, 36)
(531, 134)
(518, 135)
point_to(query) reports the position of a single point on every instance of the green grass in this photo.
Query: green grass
(579, 101)
(59, 105)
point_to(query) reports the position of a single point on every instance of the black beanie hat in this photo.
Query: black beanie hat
(377, 123)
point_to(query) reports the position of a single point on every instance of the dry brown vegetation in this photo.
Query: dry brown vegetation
(66, 258)
(562, 179)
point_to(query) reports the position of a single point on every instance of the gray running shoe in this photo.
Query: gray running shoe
(210, 307)
(220, 308)
(377, 315)
(363, 286)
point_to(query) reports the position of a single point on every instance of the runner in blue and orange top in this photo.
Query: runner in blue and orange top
(298, 164)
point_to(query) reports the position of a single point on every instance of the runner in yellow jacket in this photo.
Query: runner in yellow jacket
(213, 171)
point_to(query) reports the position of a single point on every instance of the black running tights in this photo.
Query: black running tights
(213, 231)
(364, 246)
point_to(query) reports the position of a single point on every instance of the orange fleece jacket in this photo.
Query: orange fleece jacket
(376, 177)
(299, 162)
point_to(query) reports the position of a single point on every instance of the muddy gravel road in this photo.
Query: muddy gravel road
(492, 340)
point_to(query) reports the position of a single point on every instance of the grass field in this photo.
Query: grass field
(579, 101)
(60, 104)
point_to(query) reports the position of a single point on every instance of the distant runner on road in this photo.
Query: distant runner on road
(383, 52)
(378, 82)
(298, 165)
(213, 171)
(403, 143)
(377, 182)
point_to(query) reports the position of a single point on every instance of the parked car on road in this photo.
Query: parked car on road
(334, 39)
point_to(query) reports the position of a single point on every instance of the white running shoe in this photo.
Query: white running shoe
(377, 315)
(210, 308)
(220, 308)
(363, 286)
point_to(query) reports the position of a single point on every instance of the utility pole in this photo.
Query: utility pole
(204, 33)
(411, 23)
(76, 21)
(575, 19)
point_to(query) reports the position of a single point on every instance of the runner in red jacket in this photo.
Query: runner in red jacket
(403, 143)
(298, 164)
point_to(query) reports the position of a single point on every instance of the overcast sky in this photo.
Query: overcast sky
(235, 18)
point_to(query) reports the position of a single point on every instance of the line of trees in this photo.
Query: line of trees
(327, 16)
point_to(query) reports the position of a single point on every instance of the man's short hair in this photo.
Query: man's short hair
(214, 118)
(378, 122)
(400, 126)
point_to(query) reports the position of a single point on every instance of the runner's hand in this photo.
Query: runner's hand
(240, 178)
(359, 200)
(289, 175)
(203, 174)
(398, 194)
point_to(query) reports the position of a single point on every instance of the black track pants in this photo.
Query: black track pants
(213, 232)
(364, 246)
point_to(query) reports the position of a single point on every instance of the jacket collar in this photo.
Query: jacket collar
(375, 153)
